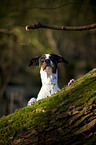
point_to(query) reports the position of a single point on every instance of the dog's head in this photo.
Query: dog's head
(47, 60)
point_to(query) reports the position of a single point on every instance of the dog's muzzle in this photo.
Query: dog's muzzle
(46, 63)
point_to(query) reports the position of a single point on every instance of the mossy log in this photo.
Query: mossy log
(67, 117)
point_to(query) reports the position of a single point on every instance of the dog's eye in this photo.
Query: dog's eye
(52, 58)
(42, 59)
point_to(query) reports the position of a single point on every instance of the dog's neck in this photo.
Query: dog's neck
(49, 83)
(49, 78)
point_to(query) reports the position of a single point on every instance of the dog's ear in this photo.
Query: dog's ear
(34, 61)
(60, 59)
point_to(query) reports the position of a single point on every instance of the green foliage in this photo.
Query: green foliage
(82, 91)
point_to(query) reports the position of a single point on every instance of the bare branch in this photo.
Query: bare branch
(66, 28)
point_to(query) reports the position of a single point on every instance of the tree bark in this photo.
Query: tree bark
(69, 123)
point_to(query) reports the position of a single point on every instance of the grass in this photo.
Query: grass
(81, 93)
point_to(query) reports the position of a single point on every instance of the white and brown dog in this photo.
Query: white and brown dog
(49, 74)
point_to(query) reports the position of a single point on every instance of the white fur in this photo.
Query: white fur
(49, 83)
(31, 101)
(47, 56)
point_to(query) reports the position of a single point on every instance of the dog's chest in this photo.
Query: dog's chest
(47, 77)
(49, 83)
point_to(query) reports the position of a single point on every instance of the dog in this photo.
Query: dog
(49, 74)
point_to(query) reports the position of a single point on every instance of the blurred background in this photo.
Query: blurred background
(17, 46)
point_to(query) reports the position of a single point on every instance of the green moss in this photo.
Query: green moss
(82, 91)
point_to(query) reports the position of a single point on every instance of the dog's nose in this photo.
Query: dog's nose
(47, 60)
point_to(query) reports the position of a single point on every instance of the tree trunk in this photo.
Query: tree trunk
(67, 117)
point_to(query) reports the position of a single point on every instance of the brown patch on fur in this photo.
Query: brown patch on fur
(43, 56)
(43, 65)
(39, 66)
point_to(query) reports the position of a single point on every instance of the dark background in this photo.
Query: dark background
(17, 46)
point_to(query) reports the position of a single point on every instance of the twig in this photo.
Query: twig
(67, 28)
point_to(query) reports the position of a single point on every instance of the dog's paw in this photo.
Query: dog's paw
(71, 81)
(31, 101)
